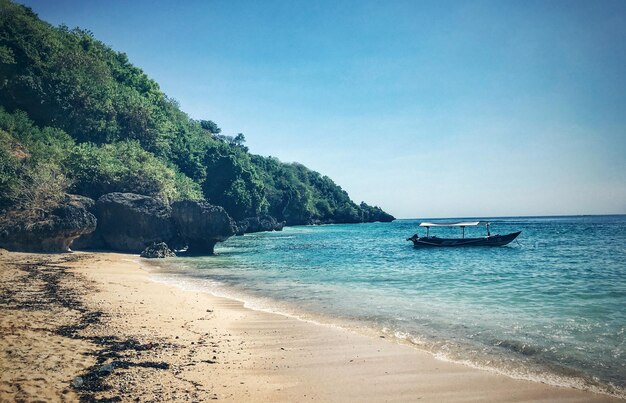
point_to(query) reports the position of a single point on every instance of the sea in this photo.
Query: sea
(549, 307)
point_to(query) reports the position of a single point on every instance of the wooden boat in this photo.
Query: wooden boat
(488, 240)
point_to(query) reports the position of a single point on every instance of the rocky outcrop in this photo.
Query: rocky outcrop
(259, 224)
(200, 225)
(45, 231)
(378, 216)
(374, 214)
(130, 222)
(157, 251)
(79, 201)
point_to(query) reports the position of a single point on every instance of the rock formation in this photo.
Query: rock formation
(45, 231)
(130, 222)
(157, 251)
(259, 224)
(92, 240)
(200, 225)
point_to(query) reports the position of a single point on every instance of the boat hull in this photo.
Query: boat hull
(493, 240)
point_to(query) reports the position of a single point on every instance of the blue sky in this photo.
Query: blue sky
(426, 108)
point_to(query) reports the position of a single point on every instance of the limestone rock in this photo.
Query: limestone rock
(130, 222)
(45, 231)
(92, 240)
(259, 224)
(200, 225)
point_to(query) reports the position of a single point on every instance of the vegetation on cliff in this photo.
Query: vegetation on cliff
(77, 116)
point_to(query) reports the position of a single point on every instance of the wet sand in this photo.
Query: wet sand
(94, 326)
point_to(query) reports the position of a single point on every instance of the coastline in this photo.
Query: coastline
(127, 336)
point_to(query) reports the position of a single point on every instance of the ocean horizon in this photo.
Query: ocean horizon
(548, 307)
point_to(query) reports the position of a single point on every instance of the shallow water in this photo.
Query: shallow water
(551, 307)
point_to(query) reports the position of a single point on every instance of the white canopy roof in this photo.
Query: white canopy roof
(456, 224)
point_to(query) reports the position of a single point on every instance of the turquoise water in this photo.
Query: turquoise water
(551, 307)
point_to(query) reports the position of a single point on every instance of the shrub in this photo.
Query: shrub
(124, 167)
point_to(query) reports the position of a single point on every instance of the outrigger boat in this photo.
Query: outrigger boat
(433, 241)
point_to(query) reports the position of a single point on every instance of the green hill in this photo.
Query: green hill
(77, 116)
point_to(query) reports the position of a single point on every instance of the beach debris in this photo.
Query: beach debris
(120, 361)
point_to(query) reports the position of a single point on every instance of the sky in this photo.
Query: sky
(424, 108)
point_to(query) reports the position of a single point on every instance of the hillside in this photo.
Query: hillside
(77, 116)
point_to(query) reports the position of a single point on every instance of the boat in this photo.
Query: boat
(434, 241)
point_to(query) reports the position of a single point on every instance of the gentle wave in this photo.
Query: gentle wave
(549, 309)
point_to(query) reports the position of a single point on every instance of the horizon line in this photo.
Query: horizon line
(514, 216)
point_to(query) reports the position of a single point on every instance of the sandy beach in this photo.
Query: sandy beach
(94, 326)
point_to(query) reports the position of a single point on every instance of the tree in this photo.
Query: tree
(239, 140)
(232, 181)
(210, 126)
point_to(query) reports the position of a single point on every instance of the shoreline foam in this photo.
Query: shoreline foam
(265, 304)
(208, 347)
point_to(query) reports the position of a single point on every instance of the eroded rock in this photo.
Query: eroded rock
(201, 225)
(157, 251)
(259, 224)
(130, 222)
(45, 231)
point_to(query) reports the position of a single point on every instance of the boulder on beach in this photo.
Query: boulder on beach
(158, 250)
(200, 225)
(45, 231)
(130, 222)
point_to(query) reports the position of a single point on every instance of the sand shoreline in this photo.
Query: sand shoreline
(94, 325)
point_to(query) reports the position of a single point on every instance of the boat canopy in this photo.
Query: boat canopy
(456, 224)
